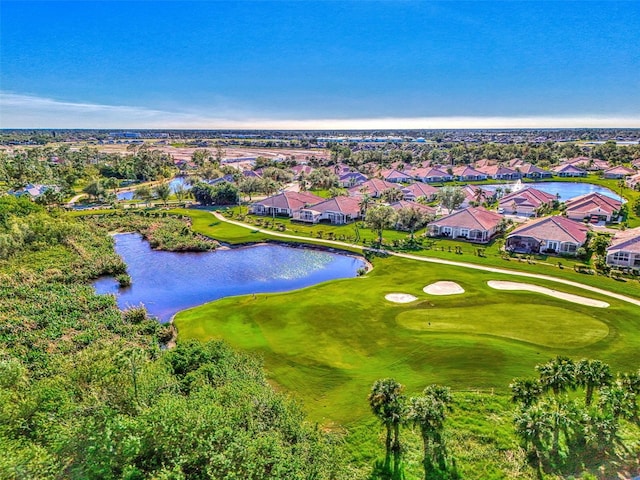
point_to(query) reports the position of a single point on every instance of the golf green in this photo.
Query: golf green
(327, 344)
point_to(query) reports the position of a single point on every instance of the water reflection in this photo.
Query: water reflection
(167, 282)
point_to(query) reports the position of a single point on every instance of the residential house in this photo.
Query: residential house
(395, 176)
(373, 188)
(619, 172)
(499, 172)
(633, 181)
(625, 249)
(526, 202)
(473, 223)
(475, 195)
(225, 178)
(555, 235)
(351, 179)
(284, 204)
(301, 170)
(594, 207)
(420, 190)
(465, 173)
(531, 171)
(636, 163)
(569, 170)
(338, 210)
(430, 175)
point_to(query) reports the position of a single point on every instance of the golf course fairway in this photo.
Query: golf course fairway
(327, 344)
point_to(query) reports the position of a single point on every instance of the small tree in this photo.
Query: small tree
(379, 218)
(451, 197)
(163, 192)
(412, 219)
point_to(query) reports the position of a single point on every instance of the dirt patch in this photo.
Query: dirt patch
(443, 288)
(569, 297)
(400, 298)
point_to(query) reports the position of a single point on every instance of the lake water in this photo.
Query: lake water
(173, 184)
(566, 190)
(167, 282)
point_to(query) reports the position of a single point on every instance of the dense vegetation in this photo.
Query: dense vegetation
(162, 231)
(87, 392)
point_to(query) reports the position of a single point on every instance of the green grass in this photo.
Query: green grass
(327, 344)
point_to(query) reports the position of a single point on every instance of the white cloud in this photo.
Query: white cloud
(28, 111)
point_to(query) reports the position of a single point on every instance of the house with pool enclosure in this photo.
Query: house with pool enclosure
(624, 251)
(555, 235)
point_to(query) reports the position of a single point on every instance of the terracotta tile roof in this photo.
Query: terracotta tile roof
(591, 201)
(530, 197)
(567, 167)
(395, 174)
(527, 168)
(626, 240)
(620, 170)
(373, 187)
(427, 172)
(556, 228)
(346, 205)
(466, 170)
(421, 190)
(290, 200)
(471, 218)
(494, 170)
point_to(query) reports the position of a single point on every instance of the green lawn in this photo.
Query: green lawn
(327, 344)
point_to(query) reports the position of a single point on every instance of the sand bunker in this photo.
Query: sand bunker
(400, 297)
(500, 285)
(443, 288)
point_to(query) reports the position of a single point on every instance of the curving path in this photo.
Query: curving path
(441, 261)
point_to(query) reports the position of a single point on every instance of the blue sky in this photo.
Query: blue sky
(319, 64)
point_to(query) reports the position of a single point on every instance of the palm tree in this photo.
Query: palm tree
(525, 391)
(557, 375)
(533, 425)
(387, 403)
(592, 374)
(428, 412)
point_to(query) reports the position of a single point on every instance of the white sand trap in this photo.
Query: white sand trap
(443, 288)
(400, 297)
(500, 285)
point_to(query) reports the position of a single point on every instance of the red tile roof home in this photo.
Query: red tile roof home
(284, 203)
(636, 163)
(633, 181)
(625, 249)
(499, 172)
(420, 190)
(373, 187)
(525, 201)
(581, 162)
(337, 210)
(618, 172)
(393, 175)
(569, 170)
(465, 172)
(298, 169)
(430, 174)
(592, 204)
(531, 171)
(476, 224)
(485, 162)
(558, 234)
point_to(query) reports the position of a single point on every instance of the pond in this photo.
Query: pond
(566, 190)
(173, 184)
(167, 282)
